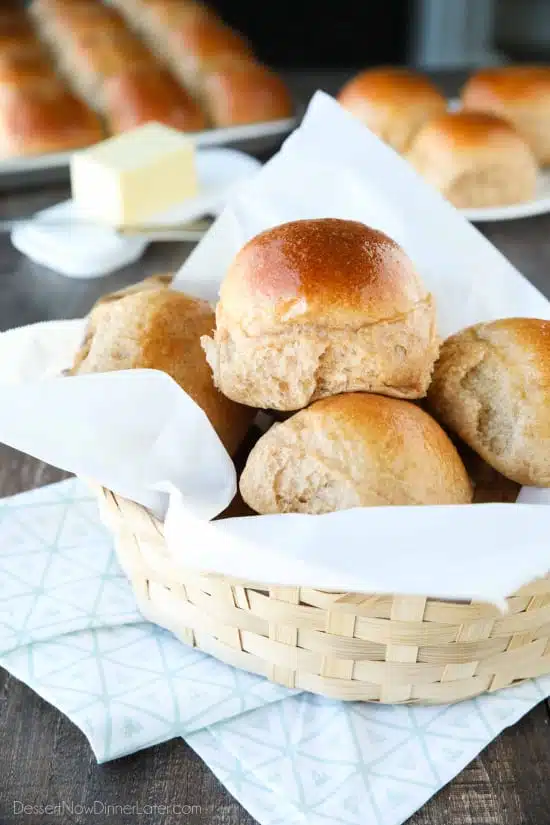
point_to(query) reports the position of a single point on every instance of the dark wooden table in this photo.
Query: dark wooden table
(44, 759)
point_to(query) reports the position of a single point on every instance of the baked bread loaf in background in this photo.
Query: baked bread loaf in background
(354, 450)
(521, 94)
(491, 385)
(313, 308)
(393, 102)
(475, 160)
(158, 328)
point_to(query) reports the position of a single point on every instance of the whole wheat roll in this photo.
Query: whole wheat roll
(236, 92)
(197, 44)
(159, 328)
(491, 385)
(187, 35)
(24, 70)
(393, 102)
(521, 95)
(214, 62)
(156, 17)
(314, 308)
(137, 96)
(107, 64)
(475, 160)
(38, 113)
(44, 117)
(91, 61)
(353, 450)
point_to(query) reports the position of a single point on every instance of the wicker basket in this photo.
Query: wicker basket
(377, 648)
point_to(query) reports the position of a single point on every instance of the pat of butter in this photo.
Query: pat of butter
(128, 178)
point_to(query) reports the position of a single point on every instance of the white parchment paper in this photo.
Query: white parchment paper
(141, 435)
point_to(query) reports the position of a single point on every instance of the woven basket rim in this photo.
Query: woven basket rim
(367, 647)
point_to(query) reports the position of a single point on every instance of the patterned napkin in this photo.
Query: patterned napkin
(313, 761)
(69, 628)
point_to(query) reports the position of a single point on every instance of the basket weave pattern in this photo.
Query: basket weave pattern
(378, 648)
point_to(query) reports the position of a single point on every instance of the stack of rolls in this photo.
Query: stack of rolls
(38, 112)
(326, 322)
(329, 321)
(73, 72)
(210, 59)
(111, 69)
(326, 328)
(486, 153)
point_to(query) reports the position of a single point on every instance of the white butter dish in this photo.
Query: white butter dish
(58, 239)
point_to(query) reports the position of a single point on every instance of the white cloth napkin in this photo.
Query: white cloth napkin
(69, 628)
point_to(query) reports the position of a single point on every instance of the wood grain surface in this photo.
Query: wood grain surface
(44, 759)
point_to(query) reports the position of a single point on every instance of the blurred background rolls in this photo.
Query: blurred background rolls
(475, 160)
(521, 94)
(393, 102)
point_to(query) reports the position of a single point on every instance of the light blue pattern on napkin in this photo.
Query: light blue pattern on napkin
(70, 629)
(314, 761)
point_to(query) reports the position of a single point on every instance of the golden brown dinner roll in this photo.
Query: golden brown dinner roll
(393, 103)
(14, 21)
(354, 450)
(521, 94)
(44, 118)
(475, 160)
(197, 44)
(134, 97)
(163, 15)
(116, 73)
(491, 385)
(318, 307)
(20, 44)
(161, 329)
(24, 69)
(240, 91)
(89, 62)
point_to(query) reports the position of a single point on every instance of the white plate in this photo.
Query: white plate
(211, 137)
(93, 251)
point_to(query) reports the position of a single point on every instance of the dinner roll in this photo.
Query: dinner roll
(196, 46)
(137, 96)
(44, 117)
(160, 329)
(313, 308)
(239, 91)
(354, 450)
(393, 103)
(521, 94)
(475, 160)
(491, 385)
